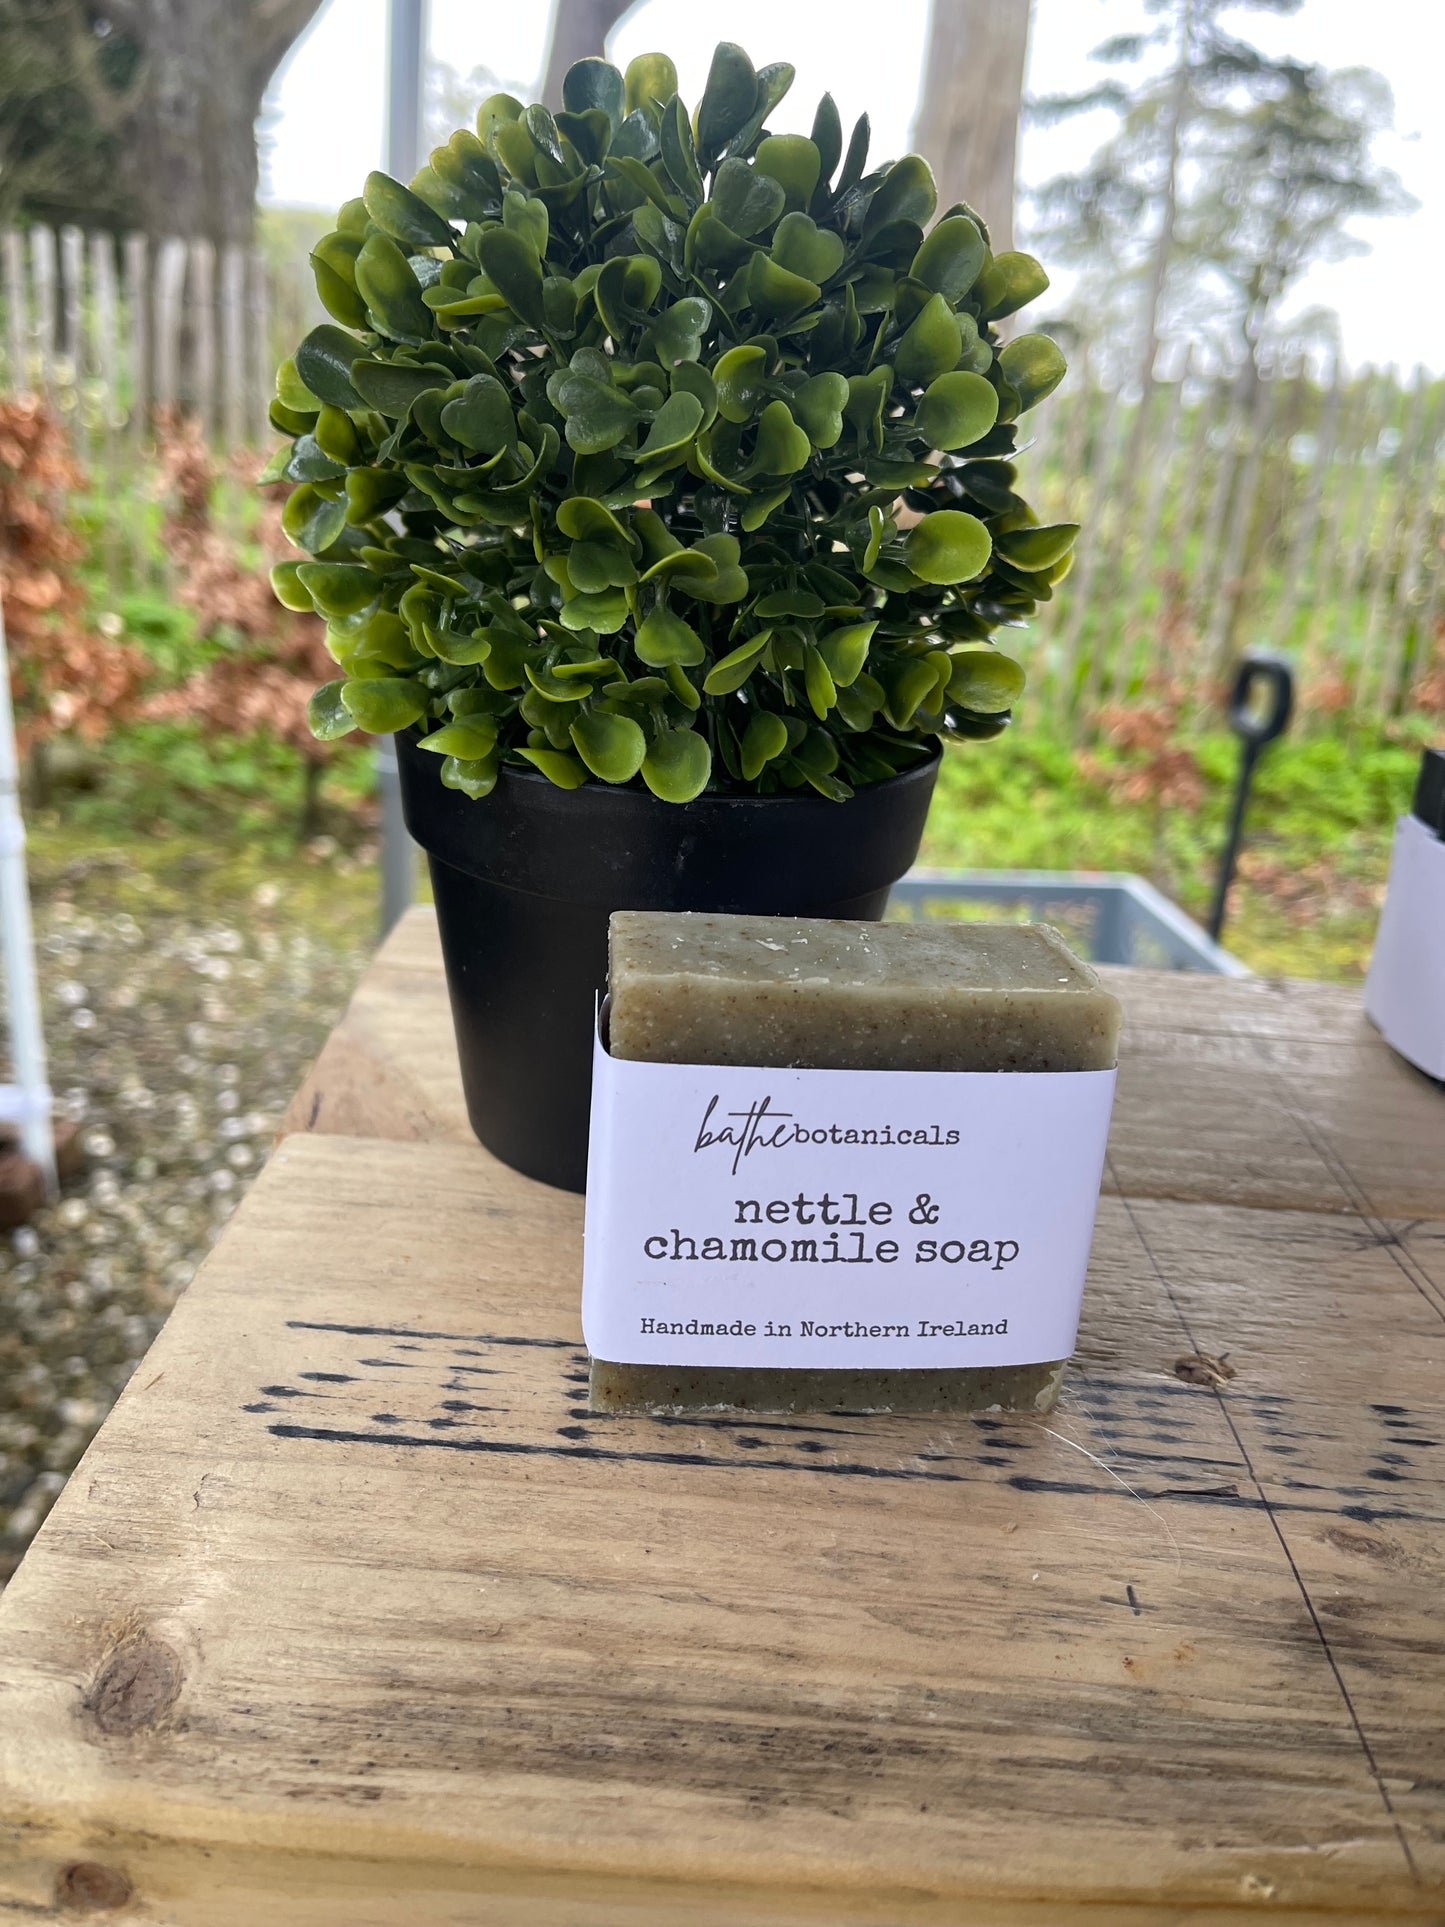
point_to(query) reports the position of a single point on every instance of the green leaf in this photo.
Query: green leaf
(323, 363)
(764, 739)
(818, 408)
(333, 264)
(1037, 549)
(782, 447)
(958, 410)
(867, 396)
(846, 650)
(983, 680)
(309, 463)
(663, 638)
(338, 588)
(731, 671)
(794, 163)
(951, 258)
(676, 335)
(586, 520)
(404, 215)
(594, 83)
(288, 588)
(803, 248)
(677, 765)
(460, 647)
(312, 521)
(526, 217)
(719, 578)
(827, 137)
(471, 740)
(673, 426)
(932, 343)
(679, 155)
(383, 704)
(390, 387)
(740, 377)
(777, 294)
(906, 193)
(481, 417)
(773, 83)
(391, 291)
(598, 415)
(651, 79)
(710, 243)
(948, 546)
(756, 511)
(558, 767)
(747, 200)
(727, 101)
(326, 714)
(1008, 283)
(511, 265)
(612, 747)
(474, 779)
(1033, 366)
(822, 696)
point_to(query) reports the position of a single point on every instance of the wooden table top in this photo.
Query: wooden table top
(354, 1614)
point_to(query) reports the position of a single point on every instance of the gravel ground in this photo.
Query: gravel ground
(175, 1047)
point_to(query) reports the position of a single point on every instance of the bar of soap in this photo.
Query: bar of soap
(689, 988)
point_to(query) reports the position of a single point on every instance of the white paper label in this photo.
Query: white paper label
(854, 1219)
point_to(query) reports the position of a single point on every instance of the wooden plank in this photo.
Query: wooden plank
(1077, 597)
(44, 273)
(73, 360)
(138, 328)
(1303, 546)
(201, 314)
(1139, 645)
(350, 1574)
(233, 345)
(1229, 577)
(105, 351)
(1253, 1092)
(170, 276)
(263, 372)
(17, 312)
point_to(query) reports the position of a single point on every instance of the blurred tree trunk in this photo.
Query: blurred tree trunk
(203, 67)
(579, 28)
(967, 126)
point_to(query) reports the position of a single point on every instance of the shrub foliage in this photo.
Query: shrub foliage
(663, 447)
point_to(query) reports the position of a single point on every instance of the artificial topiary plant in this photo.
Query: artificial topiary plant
(602, 469)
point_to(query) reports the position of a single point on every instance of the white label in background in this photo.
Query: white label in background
(853, 1219)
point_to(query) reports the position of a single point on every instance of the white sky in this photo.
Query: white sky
(325, 124)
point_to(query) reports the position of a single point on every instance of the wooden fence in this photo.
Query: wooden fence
(1300, 509)
(110, 330)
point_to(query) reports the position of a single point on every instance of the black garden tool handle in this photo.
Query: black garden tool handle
(1257, 673)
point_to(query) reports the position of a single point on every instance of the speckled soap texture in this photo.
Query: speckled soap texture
(690, 988)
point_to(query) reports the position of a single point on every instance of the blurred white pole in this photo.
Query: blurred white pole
(26, 1102)
(405, 84)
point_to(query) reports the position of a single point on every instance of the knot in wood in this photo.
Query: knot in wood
(86, 1887)
(135, 1687)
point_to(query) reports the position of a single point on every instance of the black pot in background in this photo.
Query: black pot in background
(526, 878)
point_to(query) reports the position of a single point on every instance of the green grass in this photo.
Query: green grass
(194, 825)
(1317, 835)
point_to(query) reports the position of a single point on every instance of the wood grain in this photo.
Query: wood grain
(354, 1613)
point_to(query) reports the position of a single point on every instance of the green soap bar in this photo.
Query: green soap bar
(776, 992)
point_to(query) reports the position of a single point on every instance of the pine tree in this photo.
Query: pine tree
(1228, 173)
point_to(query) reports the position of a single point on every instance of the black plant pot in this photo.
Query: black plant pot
(526, 878)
